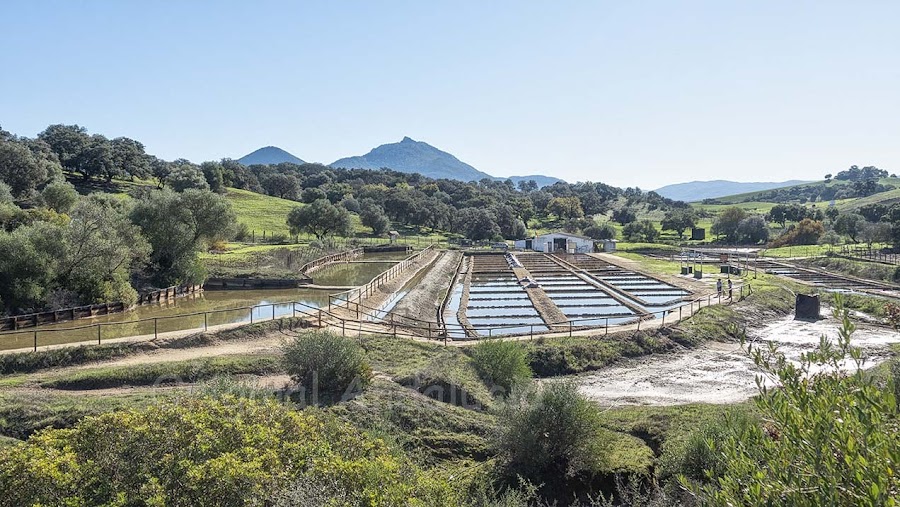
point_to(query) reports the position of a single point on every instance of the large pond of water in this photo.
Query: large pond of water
(220, 307)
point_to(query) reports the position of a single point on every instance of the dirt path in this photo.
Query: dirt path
(422, 301)
(720, 373)
(269, 344)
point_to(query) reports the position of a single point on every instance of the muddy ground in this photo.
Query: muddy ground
(422, 300)
(720, 373)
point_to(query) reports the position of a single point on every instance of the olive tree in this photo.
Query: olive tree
(178, 226)
(59, 196)
(320, 218)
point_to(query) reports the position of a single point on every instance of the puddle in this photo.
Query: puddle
(719, 373)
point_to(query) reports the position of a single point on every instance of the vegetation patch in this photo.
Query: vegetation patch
(239, 452)
(503, 364)
(24, 413)
(434, 431)
(175, 372)
(550, 357)
(328, 367)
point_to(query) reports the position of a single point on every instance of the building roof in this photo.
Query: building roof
(563, 233)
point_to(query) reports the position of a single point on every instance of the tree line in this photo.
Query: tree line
(59, 248)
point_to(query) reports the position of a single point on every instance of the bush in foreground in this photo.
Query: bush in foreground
(550, 433)
(200, 451)
(326, 365)
(502, 364)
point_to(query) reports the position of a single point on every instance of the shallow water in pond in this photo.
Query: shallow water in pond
(172, 316)
(573, 311)
(496, 312)
(351, 274)
(503, 297)
(660, 300)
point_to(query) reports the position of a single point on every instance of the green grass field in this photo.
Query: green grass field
(261, 213)
(759, 207)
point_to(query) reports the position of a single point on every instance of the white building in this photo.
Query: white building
(557, 242)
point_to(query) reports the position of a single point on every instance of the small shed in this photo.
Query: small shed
(524, 244)
(562, 242)
(609, 245)
(393, 235)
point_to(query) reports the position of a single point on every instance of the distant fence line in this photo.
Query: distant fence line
(276, 238)
(168, 293)
(870, 254)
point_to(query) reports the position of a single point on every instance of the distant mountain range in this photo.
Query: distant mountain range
(408, 156)
(699, 190)
(269, 155)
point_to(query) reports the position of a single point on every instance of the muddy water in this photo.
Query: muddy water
(173, 316)
(719, 373)
(351, 274)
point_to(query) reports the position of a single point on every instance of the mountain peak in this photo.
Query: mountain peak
(269, 155)
(411, 156)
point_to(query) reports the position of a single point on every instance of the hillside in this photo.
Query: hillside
(410, 156)
(269, 155)
(698, 190)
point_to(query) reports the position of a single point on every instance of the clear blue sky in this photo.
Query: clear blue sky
(629, 93)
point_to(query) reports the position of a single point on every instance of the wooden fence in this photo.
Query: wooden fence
(37, 319)
(168, 293)
(328, 259)
(85, 312)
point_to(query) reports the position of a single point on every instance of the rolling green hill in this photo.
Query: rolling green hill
(760, 201)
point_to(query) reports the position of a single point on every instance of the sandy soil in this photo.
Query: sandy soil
(719, 373)
(422, 301)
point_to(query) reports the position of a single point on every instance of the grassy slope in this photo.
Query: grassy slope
(164, 373)
(261, 212)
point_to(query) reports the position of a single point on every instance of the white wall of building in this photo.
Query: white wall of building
(552, 242)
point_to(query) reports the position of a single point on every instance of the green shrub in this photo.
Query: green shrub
(200, 451)
(326, 365)
(549, 433)
(894, 381)
(831, 434)
(698, 456)
(501, 363)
